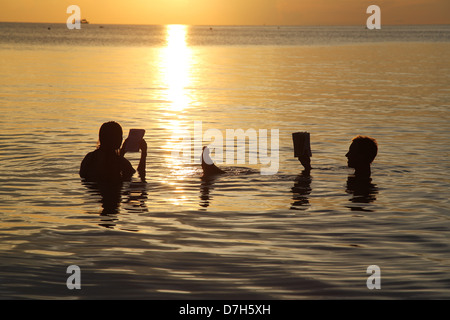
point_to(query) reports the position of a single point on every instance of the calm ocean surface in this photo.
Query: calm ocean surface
(243, 235)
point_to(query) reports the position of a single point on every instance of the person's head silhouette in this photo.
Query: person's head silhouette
(361, 154)
(110, 136)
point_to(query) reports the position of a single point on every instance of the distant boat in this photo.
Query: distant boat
(82, 21)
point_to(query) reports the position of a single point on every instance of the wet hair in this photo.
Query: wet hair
(110, 136)
(366, 146)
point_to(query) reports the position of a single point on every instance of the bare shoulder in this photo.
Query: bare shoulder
(86, 164)
(89, 157)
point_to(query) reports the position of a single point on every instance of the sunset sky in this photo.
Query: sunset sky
(228, 12)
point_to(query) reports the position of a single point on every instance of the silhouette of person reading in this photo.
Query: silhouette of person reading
(208, 166)
(361, 154)
(107, 163)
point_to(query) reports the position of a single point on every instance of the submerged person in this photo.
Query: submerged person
(107, 163)
(208, 166)
(361, 154)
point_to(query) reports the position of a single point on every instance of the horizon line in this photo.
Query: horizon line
(237, 25)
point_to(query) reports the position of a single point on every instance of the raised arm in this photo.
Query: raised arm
(142, 161)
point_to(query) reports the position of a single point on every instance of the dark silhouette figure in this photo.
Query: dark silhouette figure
(105, 169)
(361, 154)
(107, 163)
(208, 166)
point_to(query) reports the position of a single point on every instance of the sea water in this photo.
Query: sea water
(241, 235)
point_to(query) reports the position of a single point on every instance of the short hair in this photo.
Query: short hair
(110, 135)
(366, 146)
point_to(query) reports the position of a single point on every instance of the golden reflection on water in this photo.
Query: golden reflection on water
(175, 66)
(175, 71)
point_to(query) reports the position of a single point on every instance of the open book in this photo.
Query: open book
(134, 139)
(302, 144)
